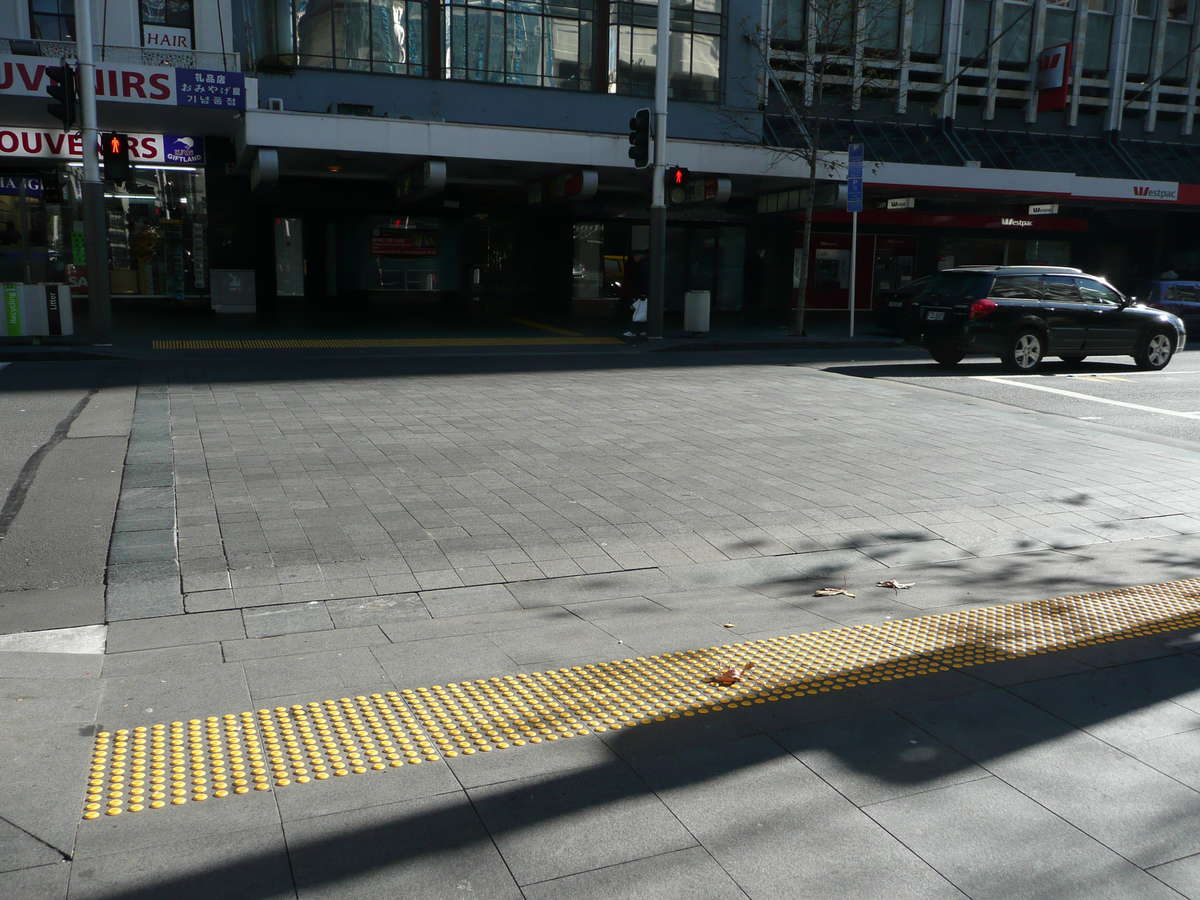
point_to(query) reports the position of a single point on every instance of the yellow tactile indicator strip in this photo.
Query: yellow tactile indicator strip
(153, 766)
(370, 343)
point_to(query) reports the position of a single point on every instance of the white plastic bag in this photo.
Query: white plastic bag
(639, 309)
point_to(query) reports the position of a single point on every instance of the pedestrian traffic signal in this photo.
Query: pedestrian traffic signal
(677, 176)
(64, 90)
(114, 148)
(639, 138)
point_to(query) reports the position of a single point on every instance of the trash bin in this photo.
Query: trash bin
(695, 311)
(233, 291)
(37, 310)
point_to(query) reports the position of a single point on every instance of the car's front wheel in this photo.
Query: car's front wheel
(1025, 351)
(946, 354)
(1155, 351)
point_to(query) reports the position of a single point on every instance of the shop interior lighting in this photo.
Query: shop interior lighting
(145, 198)
(79, 165)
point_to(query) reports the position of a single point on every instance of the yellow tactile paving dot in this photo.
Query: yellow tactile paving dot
(372, 343)
(155, 766)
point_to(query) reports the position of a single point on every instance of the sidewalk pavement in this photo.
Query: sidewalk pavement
(319, 569)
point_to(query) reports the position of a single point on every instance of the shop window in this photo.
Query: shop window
(359, 35)
(695, 52)
(543, 44)
(52, 20)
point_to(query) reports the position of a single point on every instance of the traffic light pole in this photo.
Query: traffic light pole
(94, 225)
(658, 204)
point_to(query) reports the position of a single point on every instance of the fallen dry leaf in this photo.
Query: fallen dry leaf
(831, 592)
(727, 625)
(730, 676)
(895, 585)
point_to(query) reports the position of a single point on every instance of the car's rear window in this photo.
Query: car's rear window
(955, 288)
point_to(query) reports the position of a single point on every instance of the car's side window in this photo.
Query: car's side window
(1017, 287)
(1060, 288)
(1094, 292)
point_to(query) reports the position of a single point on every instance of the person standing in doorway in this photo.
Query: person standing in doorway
(636, 284)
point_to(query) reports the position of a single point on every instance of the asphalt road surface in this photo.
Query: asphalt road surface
(1109, 391)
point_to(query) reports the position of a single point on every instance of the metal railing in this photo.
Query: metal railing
(138, 56)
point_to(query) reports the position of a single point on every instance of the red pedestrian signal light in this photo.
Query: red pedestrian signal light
(677, 177)
(114, 148)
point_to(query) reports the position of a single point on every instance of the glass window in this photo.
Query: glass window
(172, 13)
(1141, 37)
(1014, 46)
(361, 35)
(977, 16)
(954, 288)
(1101, 6)
(1060, 288)
(1179, 10)
(1017, 287)
(787, 20)
(544, 44)
(1093, 291)
(52, 20)
(1099, 35)
(1145, 9)
(1060, 26)
(695, 52)
(927, 27)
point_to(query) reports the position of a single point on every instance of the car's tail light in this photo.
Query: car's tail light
(981, 308)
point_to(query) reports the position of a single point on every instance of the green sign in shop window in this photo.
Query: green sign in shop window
(12, 310)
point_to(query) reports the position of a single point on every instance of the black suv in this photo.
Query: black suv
(1023, 313)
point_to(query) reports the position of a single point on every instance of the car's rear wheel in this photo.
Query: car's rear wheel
(1072, 358)
(1155, 350)
(1025, 351)
(946, 354)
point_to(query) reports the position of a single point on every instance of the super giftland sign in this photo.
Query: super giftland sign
(42, 143)
(25, 76)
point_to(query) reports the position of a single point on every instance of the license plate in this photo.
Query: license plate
(935, 315)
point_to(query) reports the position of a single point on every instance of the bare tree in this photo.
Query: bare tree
(821, 58)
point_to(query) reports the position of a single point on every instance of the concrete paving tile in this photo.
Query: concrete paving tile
(340, 588)
(171, 694)
(442, 660)
(434, 580)
(678, 874)
(768, 570)
(527, 762)
(292, 644)
(30, 698)
(269, 621)
(209, 601)
(207, 581)
(143, 600)
(257, 595)
(1181, 874)
(305, 591)
(1172, 754)
(136, 661)
(991, 841)
(465, 601)
(1031, 668)
(375, 788)
(175, 631)
(38, 664)
(537, 645)
(357, 611)
(580, 588)
(321, 675)
(555, 825)
(876, 756)
(247, 864)
(21, 850)
(256, 576)
(596, 564)
(1126, 705)
(556, 568)
(175, 828)
(777, 828)
(434, 847)
(43, 882)
(1100, 790)
(63, 608)
(909, 553)
(485, 623)
(395, 583)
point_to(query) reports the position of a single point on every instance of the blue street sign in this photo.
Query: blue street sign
(854, 175)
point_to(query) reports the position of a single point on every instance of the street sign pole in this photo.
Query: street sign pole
(658, 200)
(854, 203)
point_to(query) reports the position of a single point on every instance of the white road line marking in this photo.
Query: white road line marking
(1078, 396)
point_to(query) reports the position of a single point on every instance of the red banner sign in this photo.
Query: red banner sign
(1054, 77)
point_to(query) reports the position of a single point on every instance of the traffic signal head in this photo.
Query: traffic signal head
(114, 150)
(639, 138)
(677, 176)
(64, 91)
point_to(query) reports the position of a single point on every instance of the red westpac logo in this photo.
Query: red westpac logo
(1049, 62)
(1148, 193)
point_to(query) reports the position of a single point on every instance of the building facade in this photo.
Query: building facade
(365, 161)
